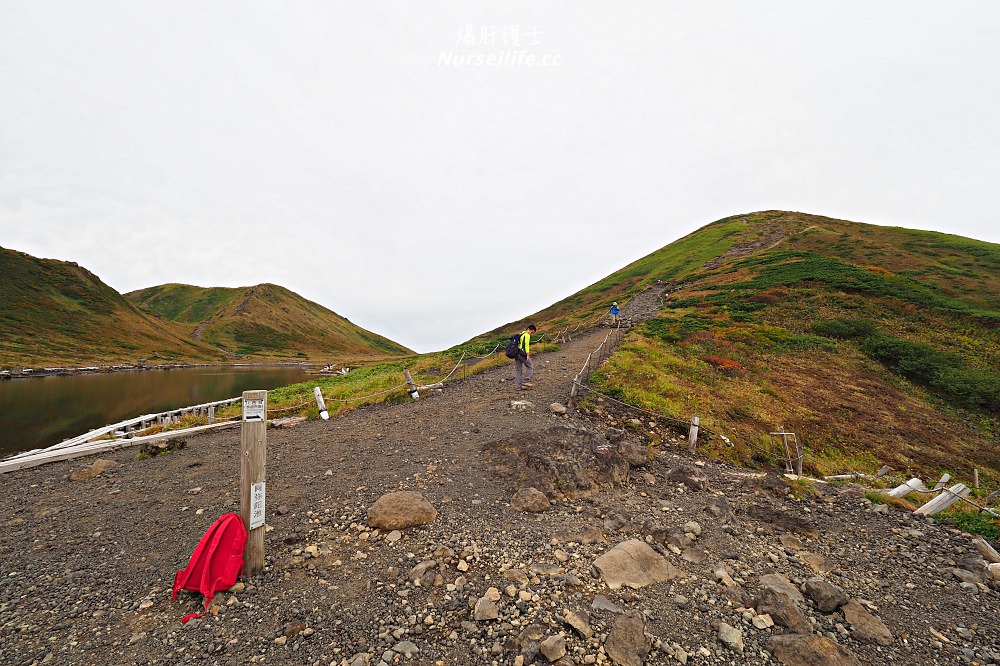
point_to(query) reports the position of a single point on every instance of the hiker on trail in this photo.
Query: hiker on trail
(523, 359)
(615, 311)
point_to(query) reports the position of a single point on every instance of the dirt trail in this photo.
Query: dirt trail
(87, 566)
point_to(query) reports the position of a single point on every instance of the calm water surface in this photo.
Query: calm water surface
(41, 411)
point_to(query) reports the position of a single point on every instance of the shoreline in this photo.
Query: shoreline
(28, 373)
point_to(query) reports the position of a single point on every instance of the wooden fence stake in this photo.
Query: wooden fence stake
(410, 386)
(913, 485)
(693, 434)
(945, 478)
(986, 550)
(320, 404)
(975, 479)
(253, 460)
(211, 414)
(947, 497)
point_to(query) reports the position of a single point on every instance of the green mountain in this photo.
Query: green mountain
(263, 321)
(874, 344)
(56, 313)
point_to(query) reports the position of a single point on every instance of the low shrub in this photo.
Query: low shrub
(844, 329)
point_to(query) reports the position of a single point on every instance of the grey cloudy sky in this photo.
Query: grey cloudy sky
(433, 170)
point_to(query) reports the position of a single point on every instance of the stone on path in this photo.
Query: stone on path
(399, 510)
(810, 650)
(865, 626)
(553, 647)
(485, 610)
(690, 477)
(626, 643)
(780, 583)
(579, 621)
(731, 637)
(530, 500)
(827, 596)
(782, 610)
(93, 470)
(635, 564)
(557, 408)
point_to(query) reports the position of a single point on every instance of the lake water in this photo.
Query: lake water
(41, 411)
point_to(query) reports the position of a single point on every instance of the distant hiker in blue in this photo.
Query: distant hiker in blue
(523, 358)
(615, 311)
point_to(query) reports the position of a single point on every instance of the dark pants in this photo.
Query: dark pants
(518, 362)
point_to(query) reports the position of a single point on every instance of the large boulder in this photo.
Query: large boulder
(635, 564)
(399, 510)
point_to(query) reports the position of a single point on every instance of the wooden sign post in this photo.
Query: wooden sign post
(253, 459)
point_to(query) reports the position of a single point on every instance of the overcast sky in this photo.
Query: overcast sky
(433, 170)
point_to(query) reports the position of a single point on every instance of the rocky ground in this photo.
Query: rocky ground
(630, 550)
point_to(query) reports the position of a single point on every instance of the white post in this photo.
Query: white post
(693, 434)
(320, 404)
(410, 386)
(947, 497)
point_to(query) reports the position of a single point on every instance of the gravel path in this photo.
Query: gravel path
(86, 567)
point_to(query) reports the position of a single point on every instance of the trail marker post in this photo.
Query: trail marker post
(253, 459)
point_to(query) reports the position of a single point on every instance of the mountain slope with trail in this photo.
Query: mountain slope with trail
(93, 583)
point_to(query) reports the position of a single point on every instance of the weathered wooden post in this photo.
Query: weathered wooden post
(211, 414)
(410, 386)
(947, 497)
(693, 434)
(320, 404)
(975, 479)
(253, 459)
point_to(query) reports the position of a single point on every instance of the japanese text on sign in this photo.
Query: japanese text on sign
(253, 409)
(257, 505)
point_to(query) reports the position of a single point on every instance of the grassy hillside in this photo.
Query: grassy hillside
(265, 321)
(874, 344)
(56, 313)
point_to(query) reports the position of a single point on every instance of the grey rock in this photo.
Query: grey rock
(602, 603)
(485, 610)
(690, 477)
(782, 610)
(866, 627)
(780, 583)
(635, 564)
(827, 596)
(731, 637)
(580, 621)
